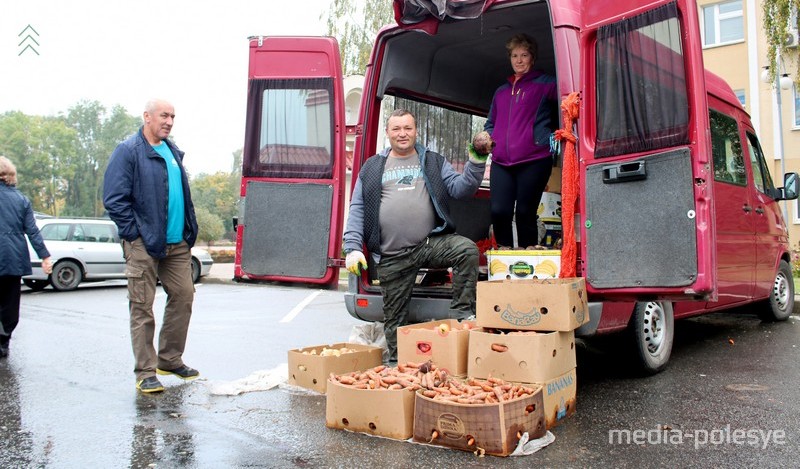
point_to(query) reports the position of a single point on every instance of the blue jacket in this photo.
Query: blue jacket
(16, 220)
(522, 117)
(136, 194)
(458, 186)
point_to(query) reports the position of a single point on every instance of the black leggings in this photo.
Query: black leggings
(9, 306)
(523, 184)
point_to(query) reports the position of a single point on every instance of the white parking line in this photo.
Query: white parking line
(296, 310)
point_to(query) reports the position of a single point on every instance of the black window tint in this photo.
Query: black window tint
(761, 175)
(726, 149)
(289, 126)
(642, 98)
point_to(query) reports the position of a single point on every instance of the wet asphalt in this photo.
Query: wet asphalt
(67, 397)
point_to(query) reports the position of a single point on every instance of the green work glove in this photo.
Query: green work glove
(482, 144)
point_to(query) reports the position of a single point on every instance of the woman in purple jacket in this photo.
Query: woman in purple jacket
(522, 118)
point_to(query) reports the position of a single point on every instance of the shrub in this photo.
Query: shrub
(223, 256)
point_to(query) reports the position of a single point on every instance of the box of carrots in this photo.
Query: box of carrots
(482, 416)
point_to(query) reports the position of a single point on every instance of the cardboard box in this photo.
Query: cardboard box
(521, 264)
(493, 426)
(529, 357)
(554, 183)
(378, 412)
(534, 305)
(558, 395)
(550, 207)
(427, 341)
(312, 370)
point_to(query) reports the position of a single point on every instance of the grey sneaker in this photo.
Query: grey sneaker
(148, 385)
(182, 372)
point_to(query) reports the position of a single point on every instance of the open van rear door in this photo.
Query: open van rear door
(293, 164)
(647, 229)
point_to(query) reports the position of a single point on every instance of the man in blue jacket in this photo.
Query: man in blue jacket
(146, 193)
(399, 210)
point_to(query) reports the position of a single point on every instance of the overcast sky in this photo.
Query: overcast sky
(192, 53)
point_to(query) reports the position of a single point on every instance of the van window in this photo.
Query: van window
(642, 97)
(726, 149)
(442, 130)
(293, 136)
(761, 175)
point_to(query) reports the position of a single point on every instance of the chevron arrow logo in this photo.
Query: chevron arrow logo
(28, 41)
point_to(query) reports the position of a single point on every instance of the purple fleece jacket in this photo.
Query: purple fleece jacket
(522, 117)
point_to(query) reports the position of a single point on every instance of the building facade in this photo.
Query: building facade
(735, 48)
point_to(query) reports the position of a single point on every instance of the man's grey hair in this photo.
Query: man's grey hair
(152, 104)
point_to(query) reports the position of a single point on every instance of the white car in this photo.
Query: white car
(88, 250)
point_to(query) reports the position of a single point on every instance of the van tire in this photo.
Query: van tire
(780, 304)
(652, 328)
(66, 276)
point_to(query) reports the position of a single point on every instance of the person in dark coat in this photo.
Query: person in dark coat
(16, 221)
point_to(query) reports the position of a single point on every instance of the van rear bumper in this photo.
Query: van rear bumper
(432, 309)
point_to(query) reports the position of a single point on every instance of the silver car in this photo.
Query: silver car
(88, 250)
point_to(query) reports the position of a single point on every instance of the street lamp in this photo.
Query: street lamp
(782, 82)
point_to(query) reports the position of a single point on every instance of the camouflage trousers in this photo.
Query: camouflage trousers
(398, 273)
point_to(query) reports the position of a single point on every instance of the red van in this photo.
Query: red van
(677, 214)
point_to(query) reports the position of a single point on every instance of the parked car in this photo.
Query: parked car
(88, 250)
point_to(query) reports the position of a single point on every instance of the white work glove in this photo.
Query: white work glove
(354, 261)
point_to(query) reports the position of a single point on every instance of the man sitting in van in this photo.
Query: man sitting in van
(399, 210)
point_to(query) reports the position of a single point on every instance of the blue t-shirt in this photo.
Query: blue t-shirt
(175, 214)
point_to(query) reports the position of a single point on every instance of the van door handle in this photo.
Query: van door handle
(760, 210)
(624, 172)
(747, 208)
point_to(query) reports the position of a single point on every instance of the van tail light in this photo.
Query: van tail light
(362, 302)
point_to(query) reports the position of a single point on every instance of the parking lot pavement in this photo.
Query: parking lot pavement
(223, 273)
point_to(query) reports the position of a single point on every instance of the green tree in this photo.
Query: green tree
(42, 149)
(779, 17)
(213, 192)
(209, 224)
(355, 25)
(98, 133)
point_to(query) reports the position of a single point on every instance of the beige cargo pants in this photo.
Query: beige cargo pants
(175, 273)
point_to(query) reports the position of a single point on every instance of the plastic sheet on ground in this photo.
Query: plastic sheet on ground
(527, 447)
(370, 333)
(261, 380)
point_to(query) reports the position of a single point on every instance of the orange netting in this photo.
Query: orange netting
(569, 185)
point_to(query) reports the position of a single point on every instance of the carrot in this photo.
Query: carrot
(347, 380)
(499, 393)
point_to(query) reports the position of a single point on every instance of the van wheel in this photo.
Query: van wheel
(780, 304)
(66, 276)
(652, 329)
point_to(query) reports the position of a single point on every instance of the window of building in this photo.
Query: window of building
(723, 23)
(740, 96)
(796, 106)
